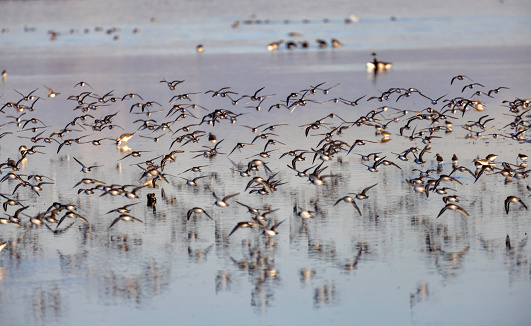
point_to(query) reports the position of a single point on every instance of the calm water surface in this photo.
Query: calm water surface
(397, 263)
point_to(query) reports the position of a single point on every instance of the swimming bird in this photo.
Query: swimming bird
(512, 199)
(377, 65)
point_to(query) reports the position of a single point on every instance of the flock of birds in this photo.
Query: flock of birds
(192, 128)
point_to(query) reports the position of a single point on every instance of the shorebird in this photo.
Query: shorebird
(192, 182)
(304, 213)
(271, 231)
(459, 77)
(71, 214)
(512, 199)
(223, 202)
(212, 139)
(348, 199)
(123, 210)
(132, 194)
(452, 207)
(336, 43)
(51, 92)
(197, 210)
(84, 168)
(243, 225)
(88, 181)
(124, 138)
(125, 217)
(83, 84)
(363, 195)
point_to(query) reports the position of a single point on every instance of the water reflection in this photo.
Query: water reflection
(139, 288)
(260, 268)
(325, 294)
(47, 303)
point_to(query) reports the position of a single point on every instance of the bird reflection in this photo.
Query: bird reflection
(263, 275)
(420, 295)
(306, 275)
(151, 280)
(47, 303)
(223, 281)
(198, 255)
(325, 294)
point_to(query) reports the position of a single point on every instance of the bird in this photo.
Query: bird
(243, 225)
(363, 195)
(271, 231)
(336, 43)
(125, 138)
(459, 77)
(304, 213)
(251, 210)
(71, 214)
(84, 168)
(51, 92)
(512, 199)
(348, 199)
(124, 217)
(212, 139)
(82, 84)
(223, 202)
(376, 65)
(192, 182)
(200, 48)
(452, 207)
(439, 158)
(134, 154)
(88, 181)
(197, 210)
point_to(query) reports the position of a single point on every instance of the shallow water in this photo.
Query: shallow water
(397, 263)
